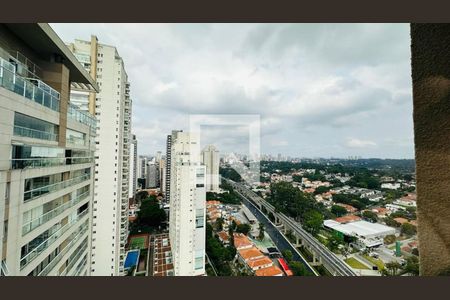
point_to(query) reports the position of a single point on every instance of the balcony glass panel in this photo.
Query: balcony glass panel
(32, 89)
(34, 128)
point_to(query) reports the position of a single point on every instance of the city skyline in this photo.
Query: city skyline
(322, 90)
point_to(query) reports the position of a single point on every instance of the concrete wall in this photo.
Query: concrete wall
(431, 92)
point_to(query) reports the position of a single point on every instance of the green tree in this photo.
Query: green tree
(321, 190)
(391, 222)
(412, 265)
(370, 215)
(392, 268)
(219, 224)
(408, 229)
(287, 254)
(261, 231)
(389, 239)
(150, 213)
(243, 228)
(338, 210)
(313, 221)
(298, 269)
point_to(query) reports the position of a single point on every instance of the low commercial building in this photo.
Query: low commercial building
(367, 234)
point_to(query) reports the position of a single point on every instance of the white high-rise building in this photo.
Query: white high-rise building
(133, 167)
(112, 107)
(211, 160)
(46, 156)
(187, 206)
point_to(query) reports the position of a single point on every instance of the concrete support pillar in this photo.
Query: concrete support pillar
(430, 49)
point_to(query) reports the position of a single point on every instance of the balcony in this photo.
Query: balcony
(29, 257)
(63, 252)
(86, 118)
(31, 225)
(42, 162)
(38, 192)
(74, 260)
(35, 134)
(32, 89)
(3, 269)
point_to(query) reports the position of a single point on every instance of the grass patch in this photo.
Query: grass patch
(377, 262)
(137, 243)
(356, 264)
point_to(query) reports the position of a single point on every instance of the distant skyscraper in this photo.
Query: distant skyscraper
(168, 162)
(133, 167)
(162, 175)
(142, 167)
(187, 206)
(112, 107)
(211, 159)
(152, 175)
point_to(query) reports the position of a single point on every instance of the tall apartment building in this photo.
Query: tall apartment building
(46, 156)
(187, 206)
(162, 175)
(112, 107)
(152, 175)
(142, 171)
(211, 159)
(170, 138)
(133, 167)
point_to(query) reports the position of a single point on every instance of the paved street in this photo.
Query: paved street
(279, 240)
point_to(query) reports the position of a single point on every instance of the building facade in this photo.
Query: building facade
(152, 175)
(133, 167)
(187, 206)
(112, 108)
(46, 156)
(211, 160)
(170, 137)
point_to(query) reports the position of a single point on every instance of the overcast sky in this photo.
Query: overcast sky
(321, 90)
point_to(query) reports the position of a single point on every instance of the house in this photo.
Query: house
(349, 208)
(401, 221)
(224, 237)
(270, 271)
(380, 211)
(347, 219)
(260, 263)
(391, 186)
(375, 197)
(241, 241)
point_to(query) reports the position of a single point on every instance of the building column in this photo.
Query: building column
(430, 47)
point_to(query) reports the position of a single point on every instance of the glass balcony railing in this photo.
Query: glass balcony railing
(35, 134)
(40, 191)
(76, 140)
(30, 256)
(81, 266)
(81, 116)
(31, 89)
(41, 162)
(31, 225)
(63, 252)
(75, 258)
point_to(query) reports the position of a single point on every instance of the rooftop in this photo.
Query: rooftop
(250, 254)
(270, 271)
(360, 228)
(241, 241)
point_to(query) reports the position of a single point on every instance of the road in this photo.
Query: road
(333, 263)
(280, 241)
